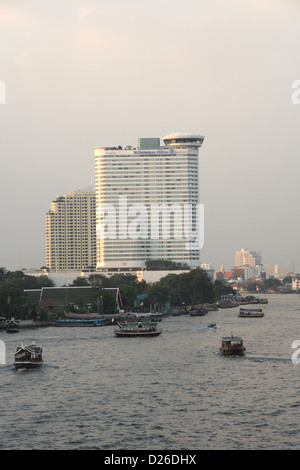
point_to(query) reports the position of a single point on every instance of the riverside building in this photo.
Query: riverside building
(71, 232)
(147, 202)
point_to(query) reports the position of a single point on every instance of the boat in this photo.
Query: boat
(197, 311)
(81, 322)
(145, 316)
(3, 323)
(232, 345)
(252, 299)
(251, 312)
(109, 318)
(13, 326)
(140, 328)
(28, 357)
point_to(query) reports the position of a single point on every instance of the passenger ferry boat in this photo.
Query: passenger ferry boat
(13, 326)
(232, 345)
(251, 312)
(141, 328)
(28, 357)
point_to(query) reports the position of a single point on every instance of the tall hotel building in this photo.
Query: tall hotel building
(154, 185)
(71, 232)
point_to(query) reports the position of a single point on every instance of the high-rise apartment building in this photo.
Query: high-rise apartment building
(247, 258)
(147, 202)
(71, 232)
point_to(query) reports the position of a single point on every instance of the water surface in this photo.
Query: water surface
(174, 391)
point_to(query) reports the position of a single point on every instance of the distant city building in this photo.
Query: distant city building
(280, 271)
(208, 267)
(275, 270)
(291, 266)
(247, 258)
(270, 269)
(251, 272)
(131, 182)
(296, 283)
(71, 232)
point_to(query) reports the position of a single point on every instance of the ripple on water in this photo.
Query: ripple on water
(95, 391)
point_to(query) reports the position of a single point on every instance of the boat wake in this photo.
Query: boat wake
(206, 328)
(250, 357)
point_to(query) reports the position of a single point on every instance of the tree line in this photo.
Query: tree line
(187, 288)
(13, 300)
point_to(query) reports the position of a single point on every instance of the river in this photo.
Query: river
(174, 391)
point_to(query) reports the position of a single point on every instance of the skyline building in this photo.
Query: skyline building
(147, 201)
(71, 232)
(247, 258)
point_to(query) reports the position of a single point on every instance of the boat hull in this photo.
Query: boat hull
(82, 323)
(232, 352)
(251, 315)
(131, 334)
(27, 364)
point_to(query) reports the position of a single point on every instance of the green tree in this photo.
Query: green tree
(192, 287)
(221, 288)
(80, 281)
(128, 295)
(163, 264)
(157, 293)
(12, 301)
(121, 279)
(272, 282)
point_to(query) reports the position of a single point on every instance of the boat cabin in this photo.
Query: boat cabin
(28, 356)
(232, 345)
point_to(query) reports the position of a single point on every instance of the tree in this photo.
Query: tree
(128, 295)
(157, 294)
(221, 288)
(80, 281)
(12, 301)
(272, 282)
(3, 273)
(98, 281)
(192, 287)
(163, 264)
(121, 279)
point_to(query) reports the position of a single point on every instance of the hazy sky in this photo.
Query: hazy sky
(82, 74)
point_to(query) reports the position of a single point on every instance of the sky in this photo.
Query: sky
(84, 74)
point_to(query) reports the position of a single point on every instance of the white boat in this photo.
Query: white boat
(251, 312)
(140, 328)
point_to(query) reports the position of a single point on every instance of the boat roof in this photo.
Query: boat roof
(30, 348)
(60, 296)
(134, 324)
(232, 338)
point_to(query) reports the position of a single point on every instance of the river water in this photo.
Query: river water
(174, 391)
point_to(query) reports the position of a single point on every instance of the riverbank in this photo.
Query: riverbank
(29, 324)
